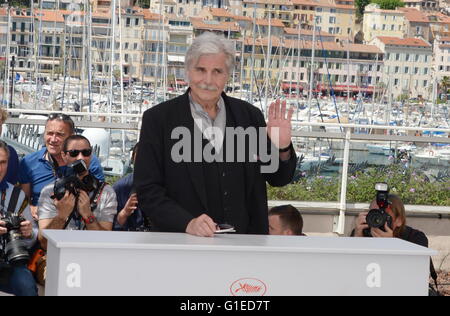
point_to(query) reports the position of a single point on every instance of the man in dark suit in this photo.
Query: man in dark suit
(195, 195)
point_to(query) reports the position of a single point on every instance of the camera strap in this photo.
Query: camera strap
(96, 197)
(12, 200)
(94, 204)
(53, 163)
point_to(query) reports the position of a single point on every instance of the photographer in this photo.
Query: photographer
(129, 217)
(79, 201)
(397, 228)
(17, 235)
(38, 169)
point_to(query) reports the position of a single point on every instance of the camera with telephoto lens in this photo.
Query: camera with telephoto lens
(377, 218)
(72, 183)
(16, 252)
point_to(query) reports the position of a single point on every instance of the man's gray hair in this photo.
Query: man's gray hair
(209, 43)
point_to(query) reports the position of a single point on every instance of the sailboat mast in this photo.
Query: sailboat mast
(374, 82)
(434, 97)
(252, 73)
(269, 53)
(311, 78)
(164, 61)
(348, 72)
(298, 69)
(121, 77)
(158, 70)
(84, 57)
(113, 50)
(242, 67)
(89, 56)
(8, 44)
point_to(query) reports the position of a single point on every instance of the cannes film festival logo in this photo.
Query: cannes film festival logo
(248, 287)
(242, 145)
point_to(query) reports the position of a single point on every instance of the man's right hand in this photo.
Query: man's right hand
(66, 205)
(361, 224)
(202, 226)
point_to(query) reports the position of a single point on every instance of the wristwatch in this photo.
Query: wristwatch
(284, 150)
(89, 220)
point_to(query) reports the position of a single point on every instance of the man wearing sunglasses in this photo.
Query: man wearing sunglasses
(95, 210)
(46, 165)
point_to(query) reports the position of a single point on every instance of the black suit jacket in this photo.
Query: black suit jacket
(172, 194)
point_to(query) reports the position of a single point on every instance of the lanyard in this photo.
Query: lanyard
(53, 164)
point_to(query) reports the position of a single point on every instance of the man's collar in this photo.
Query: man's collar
(199, 109)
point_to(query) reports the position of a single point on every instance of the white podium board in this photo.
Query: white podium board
(169, 264)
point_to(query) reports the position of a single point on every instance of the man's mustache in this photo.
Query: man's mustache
(204, 86)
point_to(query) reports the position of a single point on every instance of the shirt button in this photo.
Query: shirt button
(224, 174)
(225, 193)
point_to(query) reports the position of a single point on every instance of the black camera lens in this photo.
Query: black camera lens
(15, 249)
(376, 218)
(16, 252)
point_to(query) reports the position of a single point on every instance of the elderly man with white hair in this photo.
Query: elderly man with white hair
(191, 174)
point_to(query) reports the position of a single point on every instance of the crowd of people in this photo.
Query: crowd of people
(62, 186)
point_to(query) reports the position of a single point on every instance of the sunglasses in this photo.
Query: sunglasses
(63, 117)
(75, 152)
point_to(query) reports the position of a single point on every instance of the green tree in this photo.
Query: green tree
(2, 68)
(389, 4)
(17, 3)
(360, 5)
(143, 3)
(445, 84)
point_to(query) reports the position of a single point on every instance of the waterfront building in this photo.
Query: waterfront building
(416, 24)
(332, 16)
(408, 66)
(378, 22)
(291, 61)
(441, 48)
